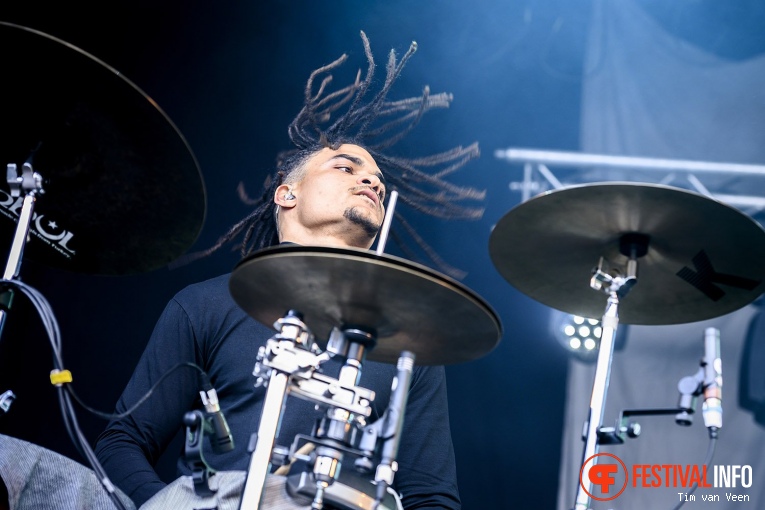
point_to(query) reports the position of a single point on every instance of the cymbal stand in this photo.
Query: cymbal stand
(336, 432)
(616, 287)
(31, 183)
(288, 352)
(347, 406)
(289, 364)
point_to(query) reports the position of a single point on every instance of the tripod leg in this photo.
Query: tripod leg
(260, 461)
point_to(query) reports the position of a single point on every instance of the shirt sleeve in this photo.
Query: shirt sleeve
(129, 447)
(427, 476)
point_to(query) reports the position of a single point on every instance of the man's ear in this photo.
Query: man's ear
(284, 197)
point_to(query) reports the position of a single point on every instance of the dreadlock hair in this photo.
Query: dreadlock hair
(375, 125)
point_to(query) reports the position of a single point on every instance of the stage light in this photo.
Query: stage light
(580, 336)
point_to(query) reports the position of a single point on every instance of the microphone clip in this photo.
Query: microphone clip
(689, 387)
(221, 440)
(196, 427)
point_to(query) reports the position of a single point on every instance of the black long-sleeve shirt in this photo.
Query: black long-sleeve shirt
(203, 325)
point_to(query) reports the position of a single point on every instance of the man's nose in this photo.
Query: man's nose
(370, 180)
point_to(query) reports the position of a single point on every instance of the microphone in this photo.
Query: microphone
(222, 440)
(394, 421)
(712, 385)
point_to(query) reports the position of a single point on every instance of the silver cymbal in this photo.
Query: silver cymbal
(703, 258)
(406, 305)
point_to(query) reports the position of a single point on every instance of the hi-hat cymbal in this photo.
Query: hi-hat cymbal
(122, 190)
(704, 258)
(408, 306)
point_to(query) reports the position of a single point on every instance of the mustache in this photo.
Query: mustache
(380, 194)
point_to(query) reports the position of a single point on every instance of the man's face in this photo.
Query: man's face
(341, 193)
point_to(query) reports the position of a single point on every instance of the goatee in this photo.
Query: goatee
(352, 214)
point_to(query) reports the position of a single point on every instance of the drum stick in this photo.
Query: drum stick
(386, 222)
(303, 450)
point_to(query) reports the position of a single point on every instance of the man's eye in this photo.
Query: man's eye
(346, 169)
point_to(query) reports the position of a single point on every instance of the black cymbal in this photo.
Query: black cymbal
(122, 190)
(704, 258)
(408, 306)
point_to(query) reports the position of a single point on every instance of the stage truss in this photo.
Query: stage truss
(738, 185)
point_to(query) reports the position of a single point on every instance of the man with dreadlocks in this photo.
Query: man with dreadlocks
(328, 191)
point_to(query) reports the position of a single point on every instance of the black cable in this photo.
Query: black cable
(65, 391)
(117, 416)
(88, 452)
(707, 462)
(70, 420)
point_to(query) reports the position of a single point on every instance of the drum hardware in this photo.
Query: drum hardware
(198, 424)
(196, 428)
(290, 350)
(706, 381)
(616, 285)
(288, 365)
(699, 259)
(343, 494)
(385, 429)
(370, 307)
(6, 399)
(30, 182)
(285, 458)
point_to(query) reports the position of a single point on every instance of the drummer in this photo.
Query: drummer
(329, 191)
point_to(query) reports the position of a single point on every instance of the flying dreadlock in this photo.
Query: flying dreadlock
(375, 125)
